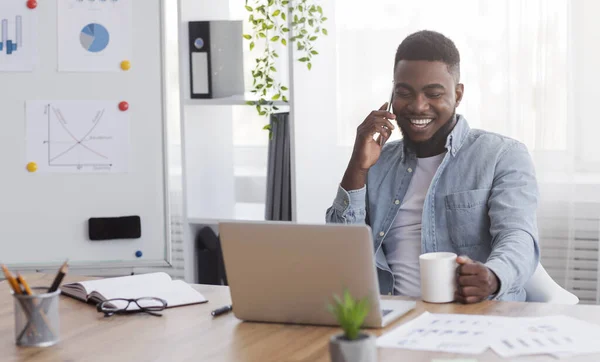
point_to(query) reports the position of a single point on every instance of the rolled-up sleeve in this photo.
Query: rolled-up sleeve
(349, 207)
(512, 210)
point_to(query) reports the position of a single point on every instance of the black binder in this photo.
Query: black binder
(200, 59)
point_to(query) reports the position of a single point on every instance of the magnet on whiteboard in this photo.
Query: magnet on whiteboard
(123, 106)
(32, 167)
(126, 65)
(138, 253)
(32, 4)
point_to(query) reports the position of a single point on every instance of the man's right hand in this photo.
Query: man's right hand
(366, 149)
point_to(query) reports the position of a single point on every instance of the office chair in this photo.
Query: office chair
(542, 288)
(211, 269)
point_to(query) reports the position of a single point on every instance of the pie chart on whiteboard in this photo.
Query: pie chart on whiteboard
(94, 38)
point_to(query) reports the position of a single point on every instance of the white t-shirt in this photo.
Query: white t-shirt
(402, 244)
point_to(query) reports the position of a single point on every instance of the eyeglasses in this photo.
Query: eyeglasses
(148, 305)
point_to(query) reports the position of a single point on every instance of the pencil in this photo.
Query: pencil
(59, 277)
(22, 281)
(11, 280)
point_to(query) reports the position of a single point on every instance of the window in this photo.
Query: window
(513, 62)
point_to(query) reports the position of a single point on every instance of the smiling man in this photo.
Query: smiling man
(443, 187)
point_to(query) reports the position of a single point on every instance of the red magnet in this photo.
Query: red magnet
(32, 4)
(123, 106)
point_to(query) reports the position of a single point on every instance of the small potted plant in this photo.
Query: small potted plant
(352, 345)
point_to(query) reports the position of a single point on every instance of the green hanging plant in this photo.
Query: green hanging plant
(272, 22)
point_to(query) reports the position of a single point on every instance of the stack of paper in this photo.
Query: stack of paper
(508, 336)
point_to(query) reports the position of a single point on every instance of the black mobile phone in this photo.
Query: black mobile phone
(109, 228)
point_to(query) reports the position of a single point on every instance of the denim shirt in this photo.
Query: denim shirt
(482, 203)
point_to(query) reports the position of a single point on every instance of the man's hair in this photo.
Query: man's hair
(431, 46)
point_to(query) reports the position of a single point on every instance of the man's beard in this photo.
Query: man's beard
(438, 139)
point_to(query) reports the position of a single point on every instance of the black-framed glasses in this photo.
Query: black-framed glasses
(150, 305)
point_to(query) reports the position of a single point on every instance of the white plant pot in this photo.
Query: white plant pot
(363, 349)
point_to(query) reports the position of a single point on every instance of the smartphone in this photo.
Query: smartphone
(389, 109)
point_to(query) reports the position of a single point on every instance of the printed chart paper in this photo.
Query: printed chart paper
(456, 333)
(557, 335)
(77, 136)
(94, 35)
(18, 37)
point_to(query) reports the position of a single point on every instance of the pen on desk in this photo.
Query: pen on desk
(222, 310)
(59, 277)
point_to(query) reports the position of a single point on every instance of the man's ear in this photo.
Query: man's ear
(460, 89)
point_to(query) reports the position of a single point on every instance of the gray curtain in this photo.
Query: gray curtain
(279, 198)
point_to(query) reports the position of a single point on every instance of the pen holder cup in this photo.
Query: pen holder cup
(36, 318)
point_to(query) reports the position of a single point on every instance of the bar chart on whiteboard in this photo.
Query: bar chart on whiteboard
(18, 34)
(77, 136)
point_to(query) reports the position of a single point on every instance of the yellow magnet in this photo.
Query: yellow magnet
(126, 65)
(32, 167)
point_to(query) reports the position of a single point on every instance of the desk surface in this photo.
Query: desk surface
(191, 334)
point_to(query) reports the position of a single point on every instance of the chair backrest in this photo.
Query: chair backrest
(542, 288)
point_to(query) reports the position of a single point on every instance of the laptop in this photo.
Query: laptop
(285, 272)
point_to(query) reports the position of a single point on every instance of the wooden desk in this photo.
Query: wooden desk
(191, 334)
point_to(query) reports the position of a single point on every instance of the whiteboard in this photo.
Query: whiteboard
(43, 215)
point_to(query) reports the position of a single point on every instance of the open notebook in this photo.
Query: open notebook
(158, 285)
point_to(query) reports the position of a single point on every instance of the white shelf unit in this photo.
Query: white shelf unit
(225, 149)
(217, 134)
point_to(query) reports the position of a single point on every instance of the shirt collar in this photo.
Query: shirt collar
(457, 137)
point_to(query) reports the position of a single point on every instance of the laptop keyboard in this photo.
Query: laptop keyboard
(385, 312)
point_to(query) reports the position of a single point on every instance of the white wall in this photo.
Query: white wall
(319, 162)
(586, 75)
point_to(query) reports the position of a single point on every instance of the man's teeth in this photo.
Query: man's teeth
(421, 122)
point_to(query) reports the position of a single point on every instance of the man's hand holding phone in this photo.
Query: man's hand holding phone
(367, 148)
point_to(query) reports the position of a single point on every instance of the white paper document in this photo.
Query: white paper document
(94, 35)
(557, 335)
(18, 37)
(560, 336)
(456, 333)
(77, 136)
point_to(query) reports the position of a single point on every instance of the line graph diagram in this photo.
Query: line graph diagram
(77, 136)
(76, 141)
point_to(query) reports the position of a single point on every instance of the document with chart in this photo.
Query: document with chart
(456, 333)
(559, 336)
(18, 37)
(77, 136)
(94, 35)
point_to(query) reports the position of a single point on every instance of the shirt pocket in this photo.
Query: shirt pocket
(467, 218)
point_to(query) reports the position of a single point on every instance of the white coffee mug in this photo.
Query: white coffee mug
(438, 277)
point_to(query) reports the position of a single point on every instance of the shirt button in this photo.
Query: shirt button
(409, 170)
(397, 202)
(345, 202)
(381, 233)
